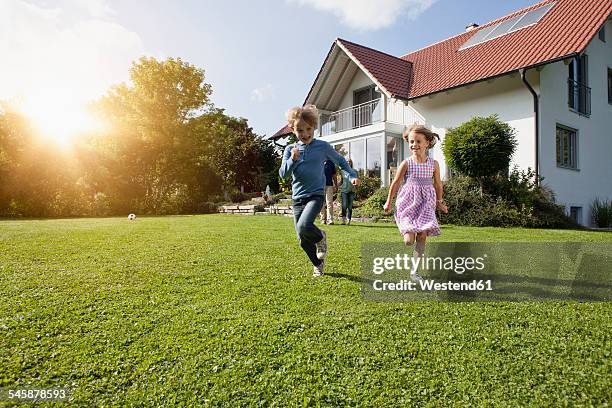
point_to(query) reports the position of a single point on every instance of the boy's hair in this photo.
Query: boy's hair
(307, 113)
(416, 128)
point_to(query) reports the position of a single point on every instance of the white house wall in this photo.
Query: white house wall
(505, 96)
(594, 134)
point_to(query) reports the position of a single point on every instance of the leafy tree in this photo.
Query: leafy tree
(480, 147)
(149, 153)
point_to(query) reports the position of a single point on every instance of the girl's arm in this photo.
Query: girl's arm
(395, 185)
(439, 189)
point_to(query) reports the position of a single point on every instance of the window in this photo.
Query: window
(579, 94)
(365, 113)
(374, 156)
(609, 85)
(394, 156)
(357, 154)
(566, 147)
(340, 148)
(576, 214)
(507, 26)
(602, 34)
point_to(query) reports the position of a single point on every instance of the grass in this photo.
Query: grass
(222, 310)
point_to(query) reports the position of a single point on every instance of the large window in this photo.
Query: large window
(394, 156)
(567, 150)
(374, 157)
(342, 149)
(357, 154)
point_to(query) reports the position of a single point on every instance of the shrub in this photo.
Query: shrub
(208, 207)
(480, 147)
(530, 207)
(237, 196)
(372, 207)
(367, 187)
(601, 213)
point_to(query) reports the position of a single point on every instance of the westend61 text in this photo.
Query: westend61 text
(431, 285)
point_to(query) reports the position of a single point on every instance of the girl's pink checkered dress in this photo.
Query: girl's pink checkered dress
(416, 200)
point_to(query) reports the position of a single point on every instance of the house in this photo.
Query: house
(546, 70)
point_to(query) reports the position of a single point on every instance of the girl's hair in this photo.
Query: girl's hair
(307, 113)
(429, 135)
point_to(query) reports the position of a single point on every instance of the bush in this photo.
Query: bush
(367, 187)
(208, 207)
(513, 204)
(480, 147)
(237, 196)
(373, 206)
(601, 213)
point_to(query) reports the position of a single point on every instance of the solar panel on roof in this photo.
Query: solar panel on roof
(503, 27)
(478, 36)
(507, 26)
(532, 17)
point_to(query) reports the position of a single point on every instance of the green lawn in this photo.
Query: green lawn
(218, 310)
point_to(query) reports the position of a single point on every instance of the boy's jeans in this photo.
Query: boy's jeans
(347, 204)
(305, 211)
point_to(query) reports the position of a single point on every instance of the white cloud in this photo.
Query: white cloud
(369, 14)
(262, 93)
(68, 53)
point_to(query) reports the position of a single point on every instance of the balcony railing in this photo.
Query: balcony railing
(354, 117)
(366, 114)
(579, 97)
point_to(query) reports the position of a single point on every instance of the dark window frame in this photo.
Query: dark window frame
(575, 213)
(579, 93)
(610, 85)
(572, 147)
(602, 33)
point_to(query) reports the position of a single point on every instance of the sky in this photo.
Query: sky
(260, 56)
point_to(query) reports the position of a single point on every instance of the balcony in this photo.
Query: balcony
(366, 114)
(351, 118)
(579, 97)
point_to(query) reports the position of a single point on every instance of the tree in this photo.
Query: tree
(480, 148)
(149, 153)
(241, 157)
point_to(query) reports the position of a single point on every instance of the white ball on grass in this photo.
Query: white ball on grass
(132, 217)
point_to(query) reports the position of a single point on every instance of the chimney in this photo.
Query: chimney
(471, 27)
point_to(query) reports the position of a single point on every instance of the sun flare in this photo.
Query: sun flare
(62, 121)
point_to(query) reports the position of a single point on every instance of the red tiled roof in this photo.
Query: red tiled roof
(391, 73)
(565, 30)
(285, 131)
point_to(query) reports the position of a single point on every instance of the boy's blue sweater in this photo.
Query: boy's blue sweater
(307, 170)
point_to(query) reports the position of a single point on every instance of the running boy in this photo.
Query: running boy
(304, 162)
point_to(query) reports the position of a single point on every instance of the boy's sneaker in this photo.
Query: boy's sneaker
(348, 222)
(343, 220)
(318, 270)
(322, 246)
(415, 277)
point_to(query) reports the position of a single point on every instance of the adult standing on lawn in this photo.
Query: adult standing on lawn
(303, 161)
(331, 186)
(347, 194)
